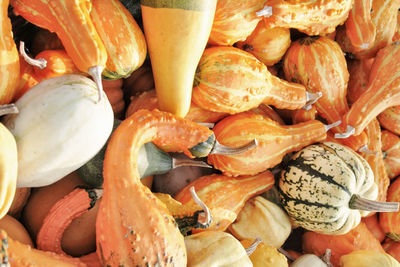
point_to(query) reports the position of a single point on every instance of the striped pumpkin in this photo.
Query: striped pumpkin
(320, 186)
(390, 119)
(390, 221)
(274, 141)
(231, 80)
(234, 21)
(391, 152)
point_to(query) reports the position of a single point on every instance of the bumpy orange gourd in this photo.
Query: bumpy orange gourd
(267, 44)
(389, 221)
(359, 77)
(234, 21)
(391, 153)
(231, 80)
(309, 16)
(383, 89)
(390, 119)
(225, 196)
(144, 233)
(274, 141)
(9, 60)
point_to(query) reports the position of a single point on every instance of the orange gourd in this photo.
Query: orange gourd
(360, 238)
(225, 196)
(389, 221)
(27, 79)
(231, 80)
(144, 233)
(9, 61)
(396, 36)
(308, 16)
(274, 142)
(391, 153)
(20, 199)
(45, 40)
(390, 119)
(234, 21)
(139, 81)
(301, 115)
(123, 39)
(383, 90)
(359, 76)
(373, 226)
(269, 112)
(113, 90)
(267, 44)
(15, 230)
(360, 29)
(392, 248)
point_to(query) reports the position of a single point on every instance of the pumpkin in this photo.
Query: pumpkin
(264, 219)
(265, 255)
(15, 230)
(48, 108)
(215, 248)
(360, 238)
(310, 17)
(328, 187)
(391, 153)
(390, 119)
(365, 258)
(267, 44)
(389, 221)
(122, 38)
(174, 50)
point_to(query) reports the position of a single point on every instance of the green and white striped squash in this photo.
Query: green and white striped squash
(328, 187)
(60, 126)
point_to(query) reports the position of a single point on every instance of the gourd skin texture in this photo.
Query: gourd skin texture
(365, 258)
(264, 255)
(391, 148)
(328, 175)
(389, 221)
(144, 233)
(59, 127)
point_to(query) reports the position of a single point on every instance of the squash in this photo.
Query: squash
(115, 94)
(9, 62)
(308, 260)
(267, 44)
(392, 248)
(391, 153)
(215, 248)
(389, 221)
(123, 39)
(360, 238)
(396, 36)
(310, 16)
(382, 92)
(274, 141)
(264, 219)
(71, 127)
(141, 80)
(390, 119)
(327, 188)
(15, 230)
(27, 79)
(302, 115)
(365, 258)
(264, 255)
(231, 80)
(45, 40)
(359, 75)
(144, 233)
(176, 35)
(373, 226)
(20, 199)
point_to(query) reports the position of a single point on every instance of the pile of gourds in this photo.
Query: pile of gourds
(287, 111)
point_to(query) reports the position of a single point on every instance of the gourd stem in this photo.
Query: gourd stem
(8, 109)
(206, 214)
(207, 124)
(350, 130)
(229, 151)
(250, 250)
(311, 98)
(95, 72)
(384, 154)
(327, 257)
(364, 149)
(41, 63)
(266, 12)
(330, 126)
(177, 162)
(3, 250)
(287, 255)
(358, 203)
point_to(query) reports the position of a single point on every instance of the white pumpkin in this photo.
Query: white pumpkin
(60, 126)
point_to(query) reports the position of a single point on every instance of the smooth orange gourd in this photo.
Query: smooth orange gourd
(391, 153)
(301, 115)
(231, 80)
(20, 199)
(389, 221)
(27, 79)
(373, 226)
(390, 119)
(15, 230)
(359, 77)
(115, 94)
(144, 233)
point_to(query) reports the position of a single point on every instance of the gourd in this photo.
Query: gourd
(71, 21)
(389, 221)
(360, 238)
(70, 127)
(45, 40)
(115, 94)
(274, 141)
(382, 92)
(27, 79)
(390, 119)
(396, 36)
(391, 153)
(373, 226)
(141, 80)
(229, 25)
(123, 39)
(9, 62)
(302, 115)
(225, 196)
(19, 201)
(365, 258)
(215, 248)
(308, 260)
(264, 219)
(176, 35)
(392, 248)
(144, 233)
(311, 17)
(15, 230)
(267, 44)
(327, 188)
(359, 75)
(264, 255)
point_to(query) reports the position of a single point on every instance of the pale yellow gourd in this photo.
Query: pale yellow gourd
(368, 258)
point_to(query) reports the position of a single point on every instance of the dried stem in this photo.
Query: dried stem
(224, 150)
(266, 12)
(330, 126)
(250, 250)
(8, 109)
(206, 215)
(359, 203)
(41, 63)
(177, 162)
(350, 130)
(311, 98)
(95, 72)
